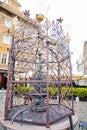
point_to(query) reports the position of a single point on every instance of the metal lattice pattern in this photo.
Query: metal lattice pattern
(40, 57)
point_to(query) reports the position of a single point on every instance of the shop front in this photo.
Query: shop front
(3, 79)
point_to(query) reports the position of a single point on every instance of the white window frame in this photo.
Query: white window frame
(5, 60)
(8, 22)
(6, 39)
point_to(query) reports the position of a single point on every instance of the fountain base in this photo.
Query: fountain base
(65, 125)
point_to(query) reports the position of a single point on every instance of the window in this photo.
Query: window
(4, 59)
(8, 23)
(6, 39)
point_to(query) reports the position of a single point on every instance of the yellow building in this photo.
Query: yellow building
(8, 10)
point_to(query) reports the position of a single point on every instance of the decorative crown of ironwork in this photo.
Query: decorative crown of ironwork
(60, 20)
(27, 13)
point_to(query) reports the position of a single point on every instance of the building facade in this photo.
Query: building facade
(82, 65)
(85, 57)
(8, 10)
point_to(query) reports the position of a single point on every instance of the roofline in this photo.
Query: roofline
(12, 11)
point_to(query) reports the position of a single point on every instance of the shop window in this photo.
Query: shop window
(4, 59)
(6, 39)
(8, 23)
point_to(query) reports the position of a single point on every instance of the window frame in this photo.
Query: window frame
(4, 60)
(5, 40)
(8, 23)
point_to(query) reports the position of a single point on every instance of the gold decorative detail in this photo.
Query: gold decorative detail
(40, 17)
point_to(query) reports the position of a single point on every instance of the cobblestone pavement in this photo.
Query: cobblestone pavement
(80, 109)
(2, 100)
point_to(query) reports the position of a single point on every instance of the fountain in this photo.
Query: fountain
(40, 57)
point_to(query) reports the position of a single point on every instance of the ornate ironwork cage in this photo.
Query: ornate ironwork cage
(39, 59)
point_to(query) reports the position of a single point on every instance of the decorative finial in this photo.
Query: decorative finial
(60, 20)
(40, 17)
(27, 13)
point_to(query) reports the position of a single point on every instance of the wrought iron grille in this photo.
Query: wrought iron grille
(40, 59)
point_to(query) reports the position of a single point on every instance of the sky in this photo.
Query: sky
(74, 16)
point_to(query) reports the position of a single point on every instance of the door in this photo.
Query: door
(1, 81)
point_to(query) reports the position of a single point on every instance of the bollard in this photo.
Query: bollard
(77, 99)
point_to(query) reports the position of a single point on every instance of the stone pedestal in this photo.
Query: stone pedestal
(65, 125)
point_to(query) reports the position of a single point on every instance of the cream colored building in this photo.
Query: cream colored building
(8, 10)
